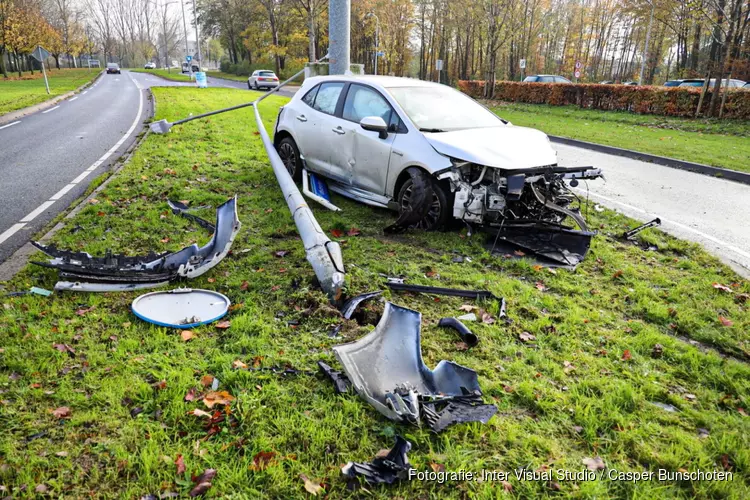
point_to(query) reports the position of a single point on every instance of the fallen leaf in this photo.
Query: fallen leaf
(725, 321)
(626, 356)
(180, 463)
(337, 233)
(721, 287)
(160, 385)
(62, 454)
(437, 467)
(690, 397)
(164, 240)
(507, 486)
(83, 311)
(223, 325)
(540, 286)
(187, 335)
(537, 267)
(239, 365)
(217, 398)
(742, 412)
(280, 253)
(312, 487)
(199, 413)
(190, 396)
(41, 488)
(462, 346)
(207, 380)
(568, 367)
(100, 214)
(262, 460)
(64, 348)
(62, 412)
(244, 286)
(487, 318)
(526, 337)
(617, 274)
(519, 253)
(211, 280)
(593, 464)
(353, 232)
(467, 308)
(200, 488)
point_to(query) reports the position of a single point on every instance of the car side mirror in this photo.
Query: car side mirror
(375, 124)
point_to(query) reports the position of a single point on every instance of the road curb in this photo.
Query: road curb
(724, 173)
(18, 260)
(15, 115)
(162, 77)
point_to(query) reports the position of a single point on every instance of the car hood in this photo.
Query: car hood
(506, 147)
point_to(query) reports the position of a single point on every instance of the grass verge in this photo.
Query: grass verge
(227, 76)
(719, 143)
(586, 386)
(20, 93)
(173, 75)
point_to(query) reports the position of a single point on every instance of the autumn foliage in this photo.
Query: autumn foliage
(653, 100)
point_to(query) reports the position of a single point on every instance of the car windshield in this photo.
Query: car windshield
(441, 109)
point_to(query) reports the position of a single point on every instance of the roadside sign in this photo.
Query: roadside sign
(40, 54)
(439, 65)
(188, 58)
(578, 74)
(522, 63)
(579, 65)
(200, 79)
(380, 53)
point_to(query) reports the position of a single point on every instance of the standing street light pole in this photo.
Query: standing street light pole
(187, 48)
(377, 28)
(197, 36)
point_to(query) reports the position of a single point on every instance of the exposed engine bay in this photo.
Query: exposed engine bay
(528, 207)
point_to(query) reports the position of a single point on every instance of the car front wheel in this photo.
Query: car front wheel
(291, 158)
(439, 211)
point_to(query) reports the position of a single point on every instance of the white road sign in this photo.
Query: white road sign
(522, 63)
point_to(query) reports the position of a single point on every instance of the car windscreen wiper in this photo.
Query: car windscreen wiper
(431, 130)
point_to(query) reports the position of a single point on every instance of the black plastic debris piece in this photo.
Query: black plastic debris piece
(463, 331)
(351, 305)
(340, 381)
(629, 234)
(179, 208)
(441, 413)
(550, 243)
(454, 292)
(383, 470)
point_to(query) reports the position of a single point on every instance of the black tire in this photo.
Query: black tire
(256, 85)
(248, 86)
(441, 210)
(289, 154)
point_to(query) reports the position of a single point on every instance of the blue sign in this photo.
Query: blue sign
(188, 58)
(380, 53)
(200, 79)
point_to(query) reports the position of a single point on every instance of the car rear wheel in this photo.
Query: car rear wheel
(291, 158)
(439, 212)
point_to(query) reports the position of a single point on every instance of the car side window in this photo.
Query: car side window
(328, 97)
(546, 79)
(309, 98)
(363, 101)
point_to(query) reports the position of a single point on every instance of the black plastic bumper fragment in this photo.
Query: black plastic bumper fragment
(440, 414)
(179, 208)
(558, 244)
(351, 305)
(340, 381)
(470, 294)
(111, 272)
(463, 331)
(383, 470)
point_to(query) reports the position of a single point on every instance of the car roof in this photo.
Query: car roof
(376, 80)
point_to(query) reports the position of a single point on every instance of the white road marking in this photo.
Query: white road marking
(733, 248)
(44, 206)
(51, 109)
(76, 97)
(85, 92)
(10, 124)
(38, 210)
(62, 192)
(10, 232)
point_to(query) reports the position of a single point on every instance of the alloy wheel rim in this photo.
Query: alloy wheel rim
(286, 152)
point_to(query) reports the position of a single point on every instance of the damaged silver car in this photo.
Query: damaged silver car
(428, 151)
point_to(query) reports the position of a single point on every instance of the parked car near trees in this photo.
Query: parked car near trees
(698, 82)
(546, 79)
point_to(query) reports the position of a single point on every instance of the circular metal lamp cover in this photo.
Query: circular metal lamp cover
(181, 308)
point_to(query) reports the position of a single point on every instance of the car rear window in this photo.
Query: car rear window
(328, 97)
(266, 73)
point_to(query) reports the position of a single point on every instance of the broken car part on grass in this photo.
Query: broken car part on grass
(629, 234)
(383, 469)
(398, 285)
(79, 271)
(386, 368)
(463, 331)
(181, 308)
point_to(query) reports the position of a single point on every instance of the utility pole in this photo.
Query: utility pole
(187, 48)
(645, 48)
(197, 36)
(339, 18)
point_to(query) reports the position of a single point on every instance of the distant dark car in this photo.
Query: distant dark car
(673, 83)
(113, 68)
(546, 79)
(698, 82)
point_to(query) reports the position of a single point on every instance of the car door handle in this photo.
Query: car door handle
(339, 130)
(302, 118)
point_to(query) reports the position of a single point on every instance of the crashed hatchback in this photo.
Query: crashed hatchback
(428, 151)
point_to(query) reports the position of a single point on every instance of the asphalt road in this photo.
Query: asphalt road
(707, 210)
(49, 158)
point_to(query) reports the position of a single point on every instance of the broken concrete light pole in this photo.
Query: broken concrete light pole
(339, 18)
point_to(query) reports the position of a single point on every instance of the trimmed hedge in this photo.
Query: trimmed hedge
(667, 101)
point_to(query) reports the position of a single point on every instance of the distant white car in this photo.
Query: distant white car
(262, 78)
(150, 65)
(384, 140)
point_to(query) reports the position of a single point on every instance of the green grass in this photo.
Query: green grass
(20, 93)
(227, 76)
(621, 299)
(719, 143)
(174, 75)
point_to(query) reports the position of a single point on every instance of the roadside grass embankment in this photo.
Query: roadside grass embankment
(18, 93)
(717, 143)
(174, 75)
(227, 76)
(586, 385)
